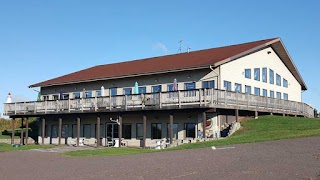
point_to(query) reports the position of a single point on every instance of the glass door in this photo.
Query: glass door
(112, 132)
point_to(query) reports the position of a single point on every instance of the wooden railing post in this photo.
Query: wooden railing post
(125, 102)
(179, 99)
(110, 105)
(212, 91)
(200, 95)
(69, 105)
(225, 98)
(205, 96)
(95, 103)
(160, 100)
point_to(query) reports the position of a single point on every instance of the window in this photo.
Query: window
(247, 73)
(264, 92)
(237, 88)
(248, 89)
(88, 94)
(139, 130)
(101, 130)
(65, 96)
(278, 80)
(45, 98)
(54, 131)
(285, 96)
(76, 95)
(87, 130)
(175, 131)
(257, 91)
(189, 86)
(127, 91)
(278, 95)
(257, 74)
(156, 89)
(74, 131)
(126, 131)
(156, 131)
(190, 129)
(264, 75)
(113, 91)
(65, 131)
(170, 87)
(272, 94)
(208, 84)
(285, 83)
(55, 97)
(98, 93)
(142, 90)
(227, 85)
(271, 76)
(46, 131)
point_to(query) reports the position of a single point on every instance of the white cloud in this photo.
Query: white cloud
(160, 47)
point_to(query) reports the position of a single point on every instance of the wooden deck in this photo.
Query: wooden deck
(200, 98)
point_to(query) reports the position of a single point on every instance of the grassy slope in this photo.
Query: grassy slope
(8, 147)
(266, 128)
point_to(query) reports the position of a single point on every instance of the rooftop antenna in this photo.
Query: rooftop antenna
(188, 50)
(180, 49)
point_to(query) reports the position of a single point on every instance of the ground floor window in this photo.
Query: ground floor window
(74, 130)
(175, 131)
(126, 131)
(65, 131)
(54, 131)
(87, 130)
(139, 130)
(46, 131)
(101, 130)
(190, 129)
(156, 130)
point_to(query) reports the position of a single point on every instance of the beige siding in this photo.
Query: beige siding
(235, 73)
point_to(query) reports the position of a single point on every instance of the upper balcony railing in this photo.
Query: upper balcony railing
(210, 98)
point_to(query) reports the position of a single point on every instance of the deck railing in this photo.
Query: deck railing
(210, 98)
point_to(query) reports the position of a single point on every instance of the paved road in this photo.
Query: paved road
(285, 159)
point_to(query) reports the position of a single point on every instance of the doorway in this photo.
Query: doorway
(112, 133)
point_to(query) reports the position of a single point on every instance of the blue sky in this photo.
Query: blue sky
(40, 40)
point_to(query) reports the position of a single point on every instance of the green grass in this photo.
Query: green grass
(266, 128)
(8, 147)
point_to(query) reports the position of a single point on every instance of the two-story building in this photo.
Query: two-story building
(175, 98)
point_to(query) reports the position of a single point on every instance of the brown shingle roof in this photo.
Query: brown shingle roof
(156, 64)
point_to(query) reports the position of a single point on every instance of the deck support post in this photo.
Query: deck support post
(144, 118)
(78, 131)
(237, 115)
(271, 114)
(27, 131)
(171, 128)
(12, 131)
(98, 131)
(204, 121)
(60, 131)
(43, 124)
(120, 130)
(295, 115)
(21, 137)
(283, 114)
(256, 114)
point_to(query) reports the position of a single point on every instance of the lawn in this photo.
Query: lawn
(265, 128)
(8, 147)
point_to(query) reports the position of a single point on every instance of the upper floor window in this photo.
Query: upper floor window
(285, 83)
(237, 87)
(55, 97)
(247, 73)
(88, 94)
(264, 74)
(278, 79)
(113, 91)
(76, 95)
(65, 96)
(98, 93)
(45, 98)
(264, 92)
(257, 91)
(170, 87)
(227, 85)
(127, 91)
(271, 76)
(257, 74)
(189, 86)
(285, 96)
(272, 94)
(278, 95)
(208, 84)
(248, 89)
(156, 89)
(142, 90)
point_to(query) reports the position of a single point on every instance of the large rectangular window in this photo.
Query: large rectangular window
(285, 83)
(156, 89)
(190, 86)
(113, 91)
(285, 96)
(247, 73)
(257, 74)
(237, 87)
(272, 94)
(257, 91)
(127, 91)
(88, 94)
(87, 130)
(271, 76)
(264, 75)
(278, 95)
(264, 92)
(170, 87)
(74, 130)
(126, 131)
(156, 130)
(76, 95)
(142, 90)
(101, 130)
(54, 131)
(139, 130)
(98, 93)
(208, 84)
(248, 89)
(55, 97)
(65, 131)
(278, 79)
(190, 129)
(175, 131)
(227, 85)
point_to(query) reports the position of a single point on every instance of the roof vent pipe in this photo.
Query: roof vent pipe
(188, 50)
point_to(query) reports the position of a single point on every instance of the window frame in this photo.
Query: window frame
(257, 88)
(278, 79)
(271, 76)
(247, 73)
(264, 75)
(257, 77)
(236, 85)
(158, 135)
(246, 87)
(227, 85)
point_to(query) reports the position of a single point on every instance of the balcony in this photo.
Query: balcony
(200, 98)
